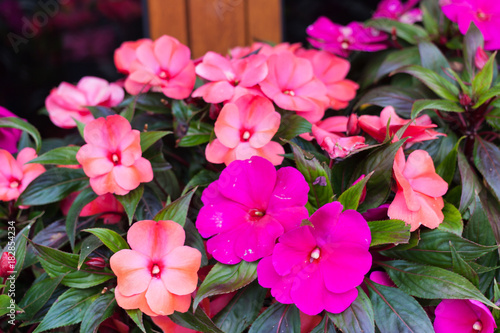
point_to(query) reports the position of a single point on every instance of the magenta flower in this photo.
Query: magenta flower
(463, 316)
(9, 136)
(318, 267)
(249, 207)
(484, 13)
(341, 40)
(395, 10)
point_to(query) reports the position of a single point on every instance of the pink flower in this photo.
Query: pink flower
(126, 54)
(463, 316)
(332, 70)
(231, 79)
(318, 267)
(9, 136)
(263, 49)
(249, 207)
(68, 101)
(110, 210)
(484, 13)
(158, 274)
(418, 198)
(245, 129)
(112, 156)
(480, 58)
(163, 65)
(395, 10)
(341, 40)
(16, 174)
(382, 278)
(7, 264)
(377, 126)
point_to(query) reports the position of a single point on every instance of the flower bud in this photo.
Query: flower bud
(353, 125)
(96, 263)
(465, 100)
(7, 264)
(214, 111)
(480, 58)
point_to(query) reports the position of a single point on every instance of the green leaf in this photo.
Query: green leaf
(6, 305)
(358, 317)
(242, 310)
(81, 127)
(431, 104)
(60, 156)
(19, 250)
(400, 98)
(432, 282)
(446, 169)
(487, 160)
(130, 201)
(110, 238)
(291, 126)
(472, 40)
(452, 220)
(350, 197)
(136, 316)
(396, 311)
(482, 81)
(69, 309)
(89, 244)
(433, 59)
(389, 232)
(224, 279)
(471, 187)
(493, 118)
(278, 318)
(325, 326)
(83, 198)
(490, 93)
(194, 239)
(460, 266)
(100, 111)
(409, 32)
(198, 133)
(177, 210)
(149, 138)
(439, 85)
(53, 185)
(492, 209)
(398, 59)
(198, 321)
(37, 296)
(101, 309)
(14, 122)
(201, 179)
(434, 249)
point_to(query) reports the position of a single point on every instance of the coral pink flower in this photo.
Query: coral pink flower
(395, 10)
(126, 54)
(484, 13)
(463, 316)
(341, 40)
(318, 267)
(106, 205)
(112, 156)
(377, 126)
(9, 136)
(332, 70)
(158, 274)
(16, 174)
(291, 84)
(168, 326)
(480, 58)
(68, 101)
(245, 129)
(164, 65)
(249, 207)
(420, 189)
(231, 79)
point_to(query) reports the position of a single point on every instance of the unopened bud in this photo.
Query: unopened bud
(7, 264)
(465, 100)
(481, 58)
(363, 193)
(214, 111)
(96, 263)
(353, 125)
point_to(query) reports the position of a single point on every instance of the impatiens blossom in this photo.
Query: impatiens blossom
(292, 85)
(395, 10)
(126, 54)
(112, 156)
(318, 267)
(68, 102)
(245, 129)
(110, 210)
(230, 79)
(463, 316)
(8, 136)
(163, 65)
(382, 278)
(158, 274)
(376, 127)
(332, 70)
(419, 193)
(249, 207)
(341, 40)
(484, 13)
(263, 49)
(17, 173)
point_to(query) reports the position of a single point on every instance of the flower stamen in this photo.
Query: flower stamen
(478, 326)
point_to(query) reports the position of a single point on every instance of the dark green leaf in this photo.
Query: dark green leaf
(482, 81)
(472, 40)
(101, 309)
(400, 98)
(148, 138)
(100, 111)
(69, 309)
(130, 201)
(110, 238)
(398, 59)
(201, 179)
(177, 210)
(19, 250)
(53, 185)
(198, 321)
(460, 266)
(432, 282)
(493, 118)
(198, 133)
(81, 127)
(242, 310)
(396, 311)
(446, 169)
(224, 279)
(291, 126)
(350, 197)
(60, 156)
(6, 305)
(83, 198)
(194, 239)
(89, 244)
(36, 297)
(413, 34)
(278, 318)
(490, 93)
(389, 232)
(326, 326)
(471, 187)
(358, 317)
(14, 122)
(452, 220)
(431, 104)
(433, 59)
(136, 316)
(487, 160)
(492, 209)
(148, 206)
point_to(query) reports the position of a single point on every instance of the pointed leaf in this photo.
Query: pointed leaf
(398, 59)
(198, 321)
(148, 138)
(409, 32)
(472, 40)
(431, 104)
(471, 187)
(110, 238)
(460, 266)
(278, 318)
(89, 245)
(177, 210)
(433, 59)
(60, 156)
(291, 126)
(400, 98)
(482, 81)
(198, 133)
(389, 232)
(325, 326)
(350, 197)
(446, 169)
(37, 296)
(130, 201)
(101, 309)
(487, 160)
(83, 198)
(14, 122)
(136, 316)
(452, 221)
(358, 317)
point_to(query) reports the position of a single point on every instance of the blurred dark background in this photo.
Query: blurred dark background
(45, 42)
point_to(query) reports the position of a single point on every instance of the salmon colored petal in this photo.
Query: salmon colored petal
(146, 56)
(116, 94)
(272, 152)
(167, 325)
(181, 85)
(31, 172)
(420, 171)
(132, 270)
(215, 92)
(430, 212)
(137, 301)
(96, 89)
(215, 67)
(155, 239)
(181, 267)
(388, 114)
(216, 152)
(171, 55)
(25, 155)
(106, 184)
(159, 299)
(290, 71)
(94, 160)
(252, 70)
(130, 148)
(139, 81)
(228, 125)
